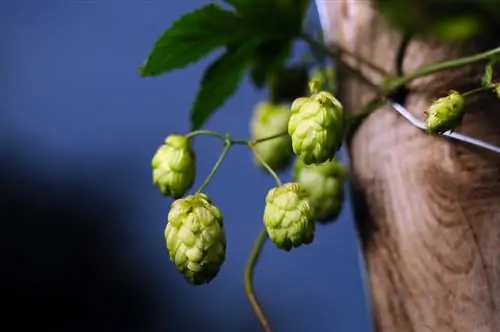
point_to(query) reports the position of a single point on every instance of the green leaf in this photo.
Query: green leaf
(486, 80)
(192, 37)
(270, 57)
(289, 83)
(457, 28)
(220, 81)
(273, 17)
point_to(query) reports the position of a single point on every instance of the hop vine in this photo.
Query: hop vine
(307, 130)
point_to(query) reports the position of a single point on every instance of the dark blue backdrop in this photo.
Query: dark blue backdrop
(85, 245)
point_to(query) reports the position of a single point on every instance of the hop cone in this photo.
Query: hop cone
(324, 186)
(445, 113)
(268, 120)
(316, 126)
(288, 216)
(174, 166)
(195, 238)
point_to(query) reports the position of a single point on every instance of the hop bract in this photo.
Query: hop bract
(268, 120)
(445, 113)
(316, 126)
(324, 186)
(195, 238)
(174, 166)
(288, 216)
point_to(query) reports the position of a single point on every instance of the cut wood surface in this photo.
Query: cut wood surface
(427, 207)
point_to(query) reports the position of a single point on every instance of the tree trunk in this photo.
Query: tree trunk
(427, 207)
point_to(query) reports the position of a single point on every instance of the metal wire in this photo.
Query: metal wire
(459, 137)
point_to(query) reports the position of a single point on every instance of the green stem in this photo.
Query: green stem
(219, 161)
(480, 89)
(313, 87)
(264, 139)
(396, 83)
(233, 141)
(259, 242)
(442, 66)
(405, 79)
(336, 56)
(249, 269)
(206, 133)
(266, 166)
(313, 42)
(255, 254)
(355, 120)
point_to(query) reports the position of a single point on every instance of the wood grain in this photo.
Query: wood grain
(427, 208)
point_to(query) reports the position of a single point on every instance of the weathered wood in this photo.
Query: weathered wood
(428, 208)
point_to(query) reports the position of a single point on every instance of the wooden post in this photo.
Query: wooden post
(427, 208)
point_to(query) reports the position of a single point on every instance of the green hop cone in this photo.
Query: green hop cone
(195, 238)
(268, 120)
(317, 127)
(324, 186)
(288, 216)
(497, 90)
(445, 113)
(174, 166)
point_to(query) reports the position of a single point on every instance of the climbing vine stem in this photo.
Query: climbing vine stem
(225, 150)
(255, 254)
(480, 89)
(266, 166)
(228, 143)
(391, 83)
(313, 43)
(249, 269)
(261, 238)
(443, 66)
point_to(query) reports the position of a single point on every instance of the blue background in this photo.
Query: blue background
(78, 128)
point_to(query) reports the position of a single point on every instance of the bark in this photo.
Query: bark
(427, 207)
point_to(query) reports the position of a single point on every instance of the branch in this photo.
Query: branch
(252, 261)
(443, 66)
(393, 84)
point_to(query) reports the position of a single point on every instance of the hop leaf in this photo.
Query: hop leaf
(174, 166)
(288, 216)
(316, 126)
(268, 120)
(191, 38)
(195, 238)
(289, 83)
(445, 113)
(486, 80)
(324, 186)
